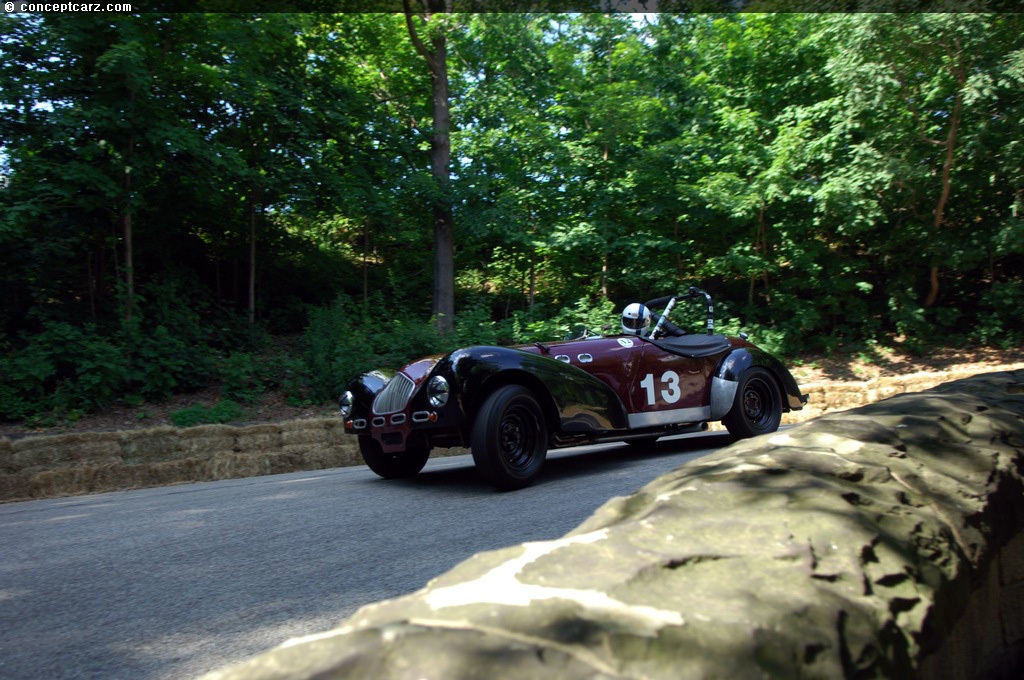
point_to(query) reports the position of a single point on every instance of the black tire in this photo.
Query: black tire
(509, 439)
(757, 407)
(393, 465)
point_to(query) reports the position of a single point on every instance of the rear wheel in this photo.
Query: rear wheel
(509, 439)
(757, 407)
(392, 465)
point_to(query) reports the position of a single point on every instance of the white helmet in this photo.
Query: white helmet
(636, 319)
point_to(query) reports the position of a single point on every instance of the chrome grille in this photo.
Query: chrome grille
(394, 396)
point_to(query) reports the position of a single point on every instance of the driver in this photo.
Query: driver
(636, 319)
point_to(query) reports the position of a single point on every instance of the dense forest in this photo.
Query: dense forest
(285, 200)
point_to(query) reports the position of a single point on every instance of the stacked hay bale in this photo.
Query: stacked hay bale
(826, 397)
(59, 465)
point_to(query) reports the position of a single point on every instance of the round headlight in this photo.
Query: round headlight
(345, 404)
(437, 391)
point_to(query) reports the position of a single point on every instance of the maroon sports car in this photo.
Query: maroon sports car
(509, 405)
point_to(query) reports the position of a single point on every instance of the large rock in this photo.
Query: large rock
(880, 542)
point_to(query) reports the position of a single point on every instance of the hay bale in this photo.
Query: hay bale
(258, 438)
(883, 388)
(234, 465)
(303, 441)
(35, 452)
(150, 445)
(83, 479)
(180, 471)
(207, 440)
(13, 487)
(60, 482)
(7, 464)
(843, 396)
(55, 451)
(312, 432)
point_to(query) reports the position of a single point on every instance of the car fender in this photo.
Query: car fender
(365, 388)
(725, 379)
(577, 400)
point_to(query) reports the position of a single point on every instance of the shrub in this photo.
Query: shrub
(593, 315)
(338, 347)
(224, 411)
(999, 321)
(243, 377)
(61, 369)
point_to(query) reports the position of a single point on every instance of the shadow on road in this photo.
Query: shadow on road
(578, 462)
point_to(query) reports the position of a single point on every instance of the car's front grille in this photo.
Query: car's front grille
(394, 396)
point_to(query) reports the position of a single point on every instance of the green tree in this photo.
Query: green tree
(98, 106)
(917, 88)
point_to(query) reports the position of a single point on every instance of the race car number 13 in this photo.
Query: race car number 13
(670, 391)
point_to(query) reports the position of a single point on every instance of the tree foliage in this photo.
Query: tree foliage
(174, 186)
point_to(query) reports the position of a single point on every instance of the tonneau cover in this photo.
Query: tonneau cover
(693, 346)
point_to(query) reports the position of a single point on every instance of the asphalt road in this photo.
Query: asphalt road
(176, 581)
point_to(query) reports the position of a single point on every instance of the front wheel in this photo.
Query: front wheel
(392, 465)
(757, 407)
(509, 439)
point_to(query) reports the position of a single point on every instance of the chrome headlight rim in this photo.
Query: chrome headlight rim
(345, 404)
(438, 391)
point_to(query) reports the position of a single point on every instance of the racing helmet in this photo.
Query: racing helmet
(636, 319)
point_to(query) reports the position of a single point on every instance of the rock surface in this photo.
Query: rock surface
(880, 542)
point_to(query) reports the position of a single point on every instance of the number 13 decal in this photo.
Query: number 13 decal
(670, 392)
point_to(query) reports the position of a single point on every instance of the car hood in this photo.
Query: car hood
(418, 370)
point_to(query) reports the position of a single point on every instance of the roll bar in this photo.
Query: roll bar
(670, 302)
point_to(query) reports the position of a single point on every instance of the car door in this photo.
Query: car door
(667, 388)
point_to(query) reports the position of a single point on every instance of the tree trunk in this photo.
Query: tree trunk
(252, 259)
(443, 307)
(960, 73)
(760, 247)
(533, 277)
(126, 232)
(366, 264)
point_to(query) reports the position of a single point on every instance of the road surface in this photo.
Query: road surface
(176, 581)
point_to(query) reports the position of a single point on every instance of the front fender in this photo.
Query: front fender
(365, 389)
(725, 379)
(577, 401)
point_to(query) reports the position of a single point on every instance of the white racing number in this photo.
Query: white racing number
(670, 391)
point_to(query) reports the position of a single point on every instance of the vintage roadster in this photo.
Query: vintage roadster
(509, 405)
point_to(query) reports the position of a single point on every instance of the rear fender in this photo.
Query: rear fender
(725, 379)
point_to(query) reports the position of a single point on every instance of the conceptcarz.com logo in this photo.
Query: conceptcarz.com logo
(22, 7)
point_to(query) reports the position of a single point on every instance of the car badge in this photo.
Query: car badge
(626, 342)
